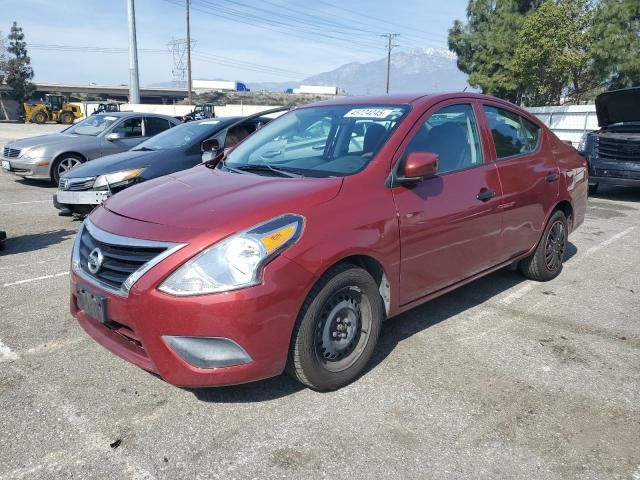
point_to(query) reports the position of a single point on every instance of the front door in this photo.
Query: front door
(450, 224)
(131, 134)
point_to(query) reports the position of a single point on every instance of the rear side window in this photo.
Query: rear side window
(155, 125)
(131, 127)
(512, 134)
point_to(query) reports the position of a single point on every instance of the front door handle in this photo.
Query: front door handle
(552, 177)
(486, 195)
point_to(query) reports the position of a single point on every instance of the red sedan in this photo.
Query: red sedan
(290, 251)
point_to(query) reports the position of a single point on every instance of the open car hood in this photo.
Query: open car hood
(618, 106)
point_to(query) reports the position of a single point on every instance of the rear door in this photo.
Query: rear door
(155, 125)
(528, 173)
(450, 224)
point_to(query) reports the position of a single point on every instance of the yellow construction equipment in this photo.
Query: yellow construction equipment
(53, 108)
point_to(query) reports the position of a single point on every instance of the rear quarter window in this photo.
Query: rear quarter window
(512, 134)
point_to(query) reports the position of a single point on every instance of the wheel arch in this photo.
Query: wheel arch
(374, 267)
(565, 207)
(60, 156)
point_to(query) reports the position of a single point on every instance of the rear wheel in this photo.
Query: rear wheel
(39, 117)
(337, 329)
(66, 118)
(63, 164)
(546, 262)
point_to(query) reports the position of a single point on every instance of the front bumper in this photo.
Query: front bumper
(258, 319)
(26, 169)
(79, 202)
(611, 172)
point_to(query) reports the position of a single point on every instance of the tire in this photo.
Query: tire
(66, 118)
(63, 164)
(546, 262)
(593, 188)
(342, 302)
(39, 117)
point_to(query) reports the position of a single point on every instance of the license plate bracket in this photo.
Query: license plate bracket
(93, 304)
(6, 165)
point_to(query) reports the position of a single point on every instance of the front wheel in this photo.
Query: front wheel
(337, 329)
(546, 262)
(39, 117)
(63, 164)
(66, 118)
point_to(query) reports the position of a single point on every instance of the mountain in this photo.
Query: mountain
(420, 70)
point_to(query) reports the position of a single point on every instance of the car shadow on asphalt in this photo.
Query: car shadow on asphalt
(34, 241)
(393, 333)
(624, 194)
(27, 182)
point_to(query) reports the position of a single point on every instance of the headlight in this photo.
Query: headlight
(33, 153)
(582, 144)
(237, 261)
(115, 178)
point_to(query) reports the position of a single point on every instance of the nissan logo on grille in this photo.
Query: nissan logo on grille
(94, 262)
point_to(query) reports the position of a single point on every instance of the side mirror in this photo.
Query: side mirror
(113, 136)
(418, 166)
(210, 149)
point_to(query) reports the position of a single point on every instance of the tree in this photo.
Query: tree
(486, 45)
(617, 43)
(553, 56)
(18, 70)
(3, 57)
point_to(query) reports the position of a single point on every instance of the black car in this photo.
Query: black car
(182, 147)
(613, 152)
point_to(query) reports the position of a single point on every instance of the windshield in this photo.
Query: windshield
(93, 125)
(324, 141)
(178, 136)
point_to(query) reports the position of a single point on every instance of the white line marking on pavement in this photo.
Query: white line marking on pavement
(20, 265)
(6, 354)
(28, 280)
(23, 203)
(608, 242)
(518, 294)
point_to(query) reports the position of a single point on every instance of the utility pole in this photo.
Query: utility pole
(390, 45)
(188, 55)
(134, 82)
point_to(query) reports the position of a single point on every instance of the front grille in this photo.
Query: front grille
(9, 152)
(76, 184)
(119, 261)
(618, 148)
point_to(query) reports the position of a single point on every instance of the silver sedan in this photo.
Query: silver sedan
(46, 157)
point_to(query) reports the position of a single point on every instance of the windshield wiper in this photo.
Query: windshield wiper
(265, 167)
(144, 149)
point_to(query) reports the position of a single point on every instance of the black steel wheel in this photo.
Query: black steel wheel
(337, 329)
(546, 261)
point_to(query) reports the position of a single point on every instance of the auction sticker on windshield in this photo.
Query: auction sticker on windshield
(369, 112)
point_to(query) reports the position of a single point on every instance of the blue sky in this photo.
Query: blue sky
(250, 40)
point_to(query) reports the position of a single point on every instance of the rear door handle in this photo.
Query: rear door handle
(552, 177)
(486, 195)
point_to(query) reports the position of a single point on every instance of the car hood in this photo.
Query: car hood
(43, 140)
(115, 163)
(210, 199)
(618, 106)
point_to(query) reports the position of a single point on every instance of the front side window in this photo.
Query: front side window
(131, 127)
(321, 141)
(180, 135)
(512, 134)
(452, 134)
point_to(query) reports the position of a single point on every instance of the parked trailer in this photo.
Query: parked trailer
(216, 85)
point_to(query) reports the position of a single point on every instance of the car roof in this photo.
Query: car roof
(229, 120)
(132, 114)
(404, 98)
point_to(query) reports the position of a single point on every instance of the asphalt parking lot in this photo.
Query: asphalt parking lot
(503, 378)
